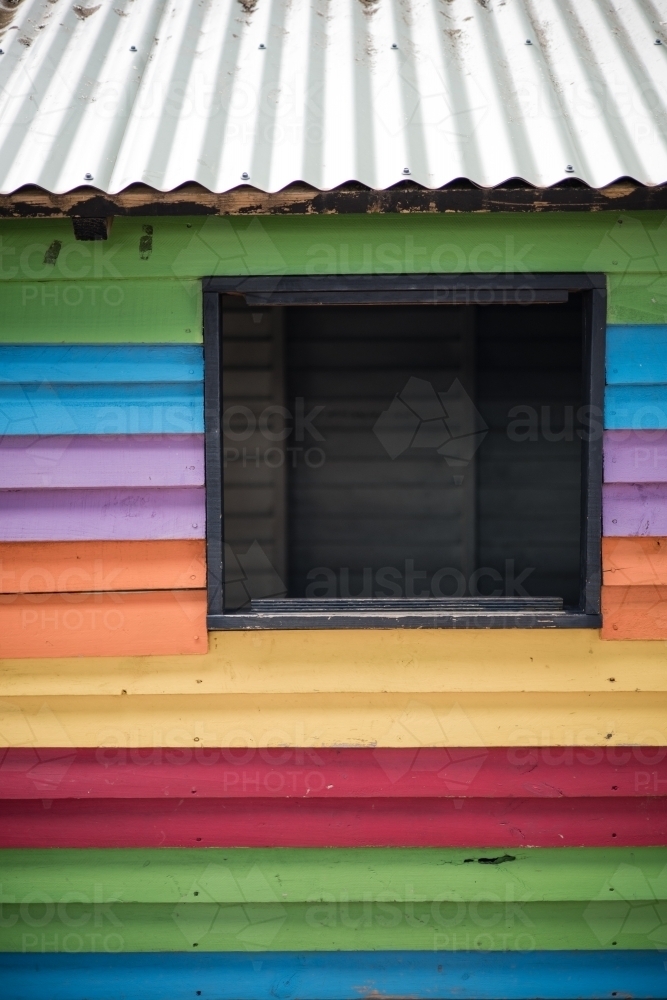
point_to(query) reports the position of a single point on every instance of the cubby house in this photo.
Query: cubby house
(333, 499)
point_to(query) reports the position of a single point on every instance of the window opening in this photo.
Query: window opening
(408, 459)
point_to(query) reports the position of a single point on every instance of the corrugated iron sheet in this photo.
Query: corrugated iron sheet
(268, 92)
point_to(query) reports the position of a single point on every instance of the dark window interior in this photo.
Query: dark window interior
(402, 451)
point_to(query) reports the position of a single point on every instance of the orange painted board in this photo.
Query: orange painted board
(634, 612)
(634, 561)
(639, 561)
(75, 567)
(139, 623)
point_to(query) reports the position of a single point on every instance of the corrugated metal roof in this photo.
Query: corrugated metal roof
(269, 92)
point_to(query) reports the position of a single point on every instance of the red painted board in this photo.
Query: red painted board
(209, 772)
(373, 822)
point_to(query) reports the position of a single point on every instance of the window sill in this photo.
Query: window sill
(299, 619)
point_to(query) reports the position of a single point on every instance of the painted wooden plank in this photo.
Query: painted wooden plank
(137, 623)
(167, 408)
(635, 407)
(635, 297)
(188, 875)
(635, 456)
(418, 666)
(636, 354)
(634, 561)
(67, 461)
(74, 567)
(635, 612)
(333, 773)
(634, 509)
(298, 822)
(441, 925)
(189, 247)
(68, 515)
(58, 363)
(325, 719)
(104, 311)
(262, 975)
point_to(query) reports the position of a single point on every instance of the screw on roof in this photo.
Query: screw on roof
(88, 177)
(394, 45)
(261, 45)
(133, 48)
(528, 41)
(245, 176)
(569, 168)
(658, 41)
(406, 170)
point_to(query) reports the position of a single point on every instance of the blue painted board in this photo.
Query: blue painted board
(167, 408)
(635, 407)
(104, 363)
(636, 355)
(464, 975)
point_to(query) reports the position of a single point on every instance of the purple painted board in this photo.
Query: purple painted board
(634, 509)
(635, 456)
(67, 461)
(78, 515)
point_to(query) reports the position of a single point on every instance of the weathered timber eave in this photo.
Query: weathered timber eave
(353, 199)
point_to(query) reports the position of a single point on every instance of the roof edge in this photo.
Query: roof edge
(190, 199)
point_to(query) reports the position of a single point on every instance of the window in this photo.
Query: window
(418, 451)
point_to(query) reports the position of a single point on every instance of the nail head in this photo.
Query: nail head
(262, 45)
(406, 170)
(528, 41)
(245, 176)
(133, 48)
(88, 177)
(394, 45)
(658, 41)
(569, 168)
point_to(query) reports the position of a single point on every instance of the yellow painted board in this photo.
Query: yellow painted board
(400, 660)
(394, 720)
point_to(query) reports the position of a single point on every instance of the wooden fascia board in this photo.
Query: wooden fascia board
(299, 199)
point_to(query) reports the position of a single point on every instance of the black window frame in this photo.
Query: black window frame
(423, 289)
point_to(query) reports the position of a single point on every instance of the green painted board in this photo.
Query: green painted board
(348, 926)
(637, 298)
(101, 312)
(270, 875)
(42, 250)
(630, 249)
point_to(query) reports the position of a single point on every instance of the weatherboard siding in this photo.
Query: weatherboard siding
(384, 718)
(634, 521)
(256, 974)
(73, 461)
(131, 740)
(103, 443)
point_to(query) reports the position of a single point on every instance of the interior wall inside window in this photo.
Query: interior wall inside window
(402, 451)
